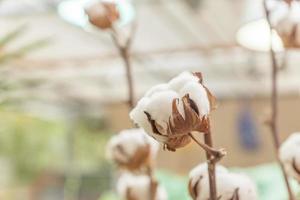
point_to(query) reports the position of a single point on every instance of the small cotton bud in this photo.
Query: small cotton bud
(289, 154)
(229, 185)
(169, 112)
(132, 149)
(139, 187)
(103, 14)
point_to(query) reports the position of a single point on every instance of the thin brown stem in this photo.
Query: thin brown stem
(124, 50)
(211, 166)
(274, 106)
(212, 156)
(126, 59)
(217, 154)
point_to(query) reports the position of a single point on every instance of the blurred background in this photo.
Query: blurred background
(63, 92)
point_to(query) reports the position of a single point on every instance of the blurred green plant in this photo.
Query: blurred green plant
(21, 51)
(34, 145)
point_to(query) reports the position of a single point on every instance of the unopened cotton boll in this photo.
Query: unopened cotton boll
(132, 149)
(169, 112)
(138, 187)
(289, 154)
(229, 185)
(103, 14)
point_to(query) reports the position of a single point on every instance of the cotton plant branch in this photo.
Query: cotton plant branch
(124, 51)
(273, 123)
(213, 156)
(211, 165)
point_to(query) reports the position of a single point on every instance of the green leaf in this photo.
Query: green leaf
(12, 35)
(22, 51)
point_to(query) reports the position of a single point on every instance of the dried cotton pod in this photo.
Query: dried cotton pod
(138, 187)
(169, 112)
(289, 154)
(102, 14)
(132, 149)
(230, 186)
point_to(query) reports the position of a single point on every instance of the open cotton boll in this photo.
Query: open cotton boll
(132, 149)
(286, 20)
(200, 171)
(199, 95)
(138, 187)
(179, 81)
(279, 10)
(170, 112)
(289, 154)
(160, 108)
(155, 89)
(139, 117)
(229, 185)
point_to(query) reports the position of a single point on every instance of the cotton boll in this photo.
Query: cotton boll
(179, 81)
(286, 20)
(169, 112)
(201, 171)
(137, 187)
(160, 108)
(199, 95)
(155, 89)
(103, 14)
(289, 154)
(139, 117)
(229, 185)
(279, 10)
(132, 149)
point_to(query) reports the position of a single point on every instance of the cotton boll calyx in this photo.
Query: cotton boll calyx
(132, 149)
(229, 185)
(289, 154)
(103, 14)
(170, 112)
(133, 187)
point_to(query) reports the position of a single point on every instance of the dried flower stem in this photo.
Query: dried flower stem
(274, 105)
(214, 153)
(124, 50)
(213, 156)
(211, 166)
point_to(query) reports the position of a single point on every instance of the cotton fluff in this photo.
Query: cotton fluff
(229, 185)
(289, 154)
(137, 187)
(286, 20)
(132, 148)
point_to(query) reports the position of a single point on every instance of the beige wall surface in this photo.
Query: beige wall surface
(225, 133)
